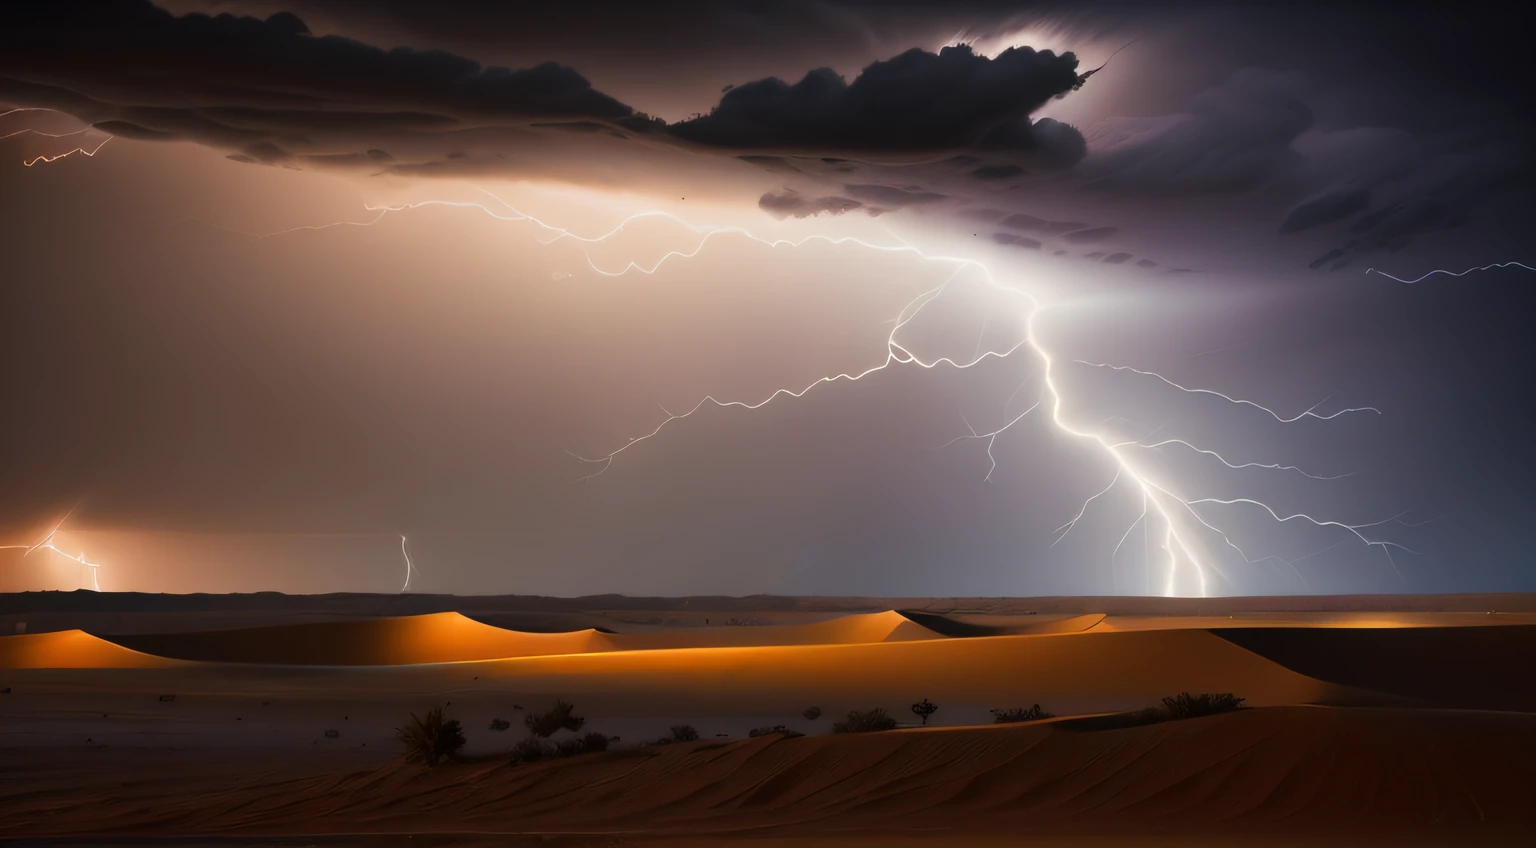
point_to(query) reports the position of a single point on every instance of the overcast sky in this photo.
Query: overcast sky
(285, 284)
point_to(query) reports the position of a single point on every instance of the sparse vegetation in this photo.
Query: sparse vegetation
(865, 721)
(776, 729)
(431, 738)
(923, 709)
(1018, 714)
(812, 713)
(1174, 708)
(1185, 705)
(500, 724)
(684, 733)
(562, 716)
(531, 750)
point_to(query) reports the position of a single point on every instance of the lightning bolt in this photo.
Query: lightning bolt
(47, 544)
(44, 159)
(409, 567)
(1176, 519)
(1449, 273)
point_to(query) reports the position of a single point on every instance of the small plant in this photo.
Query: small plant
(777, 729)
(531, 750)
(865, 721)
(500, 724)
(684, 733)
(923, 709)
(1185, 705)
(562, 716)
(1018, 714)
(594, 742)
(431, 738)
(812, 713)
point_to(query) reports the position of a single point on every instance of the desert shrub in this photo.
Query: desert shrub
(684, 733)
(923, 709)
(594, 742)
(431, 738)
(531, 750)
(569, 748)
(1185, 705)
(865, 721)
(776, 729)
(562, 716)
(500, 724)
(812, 713)
(1017, 714)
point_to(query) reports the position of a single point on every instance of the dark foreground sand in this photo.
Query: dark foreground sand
(1310, 775)
(1382, 727)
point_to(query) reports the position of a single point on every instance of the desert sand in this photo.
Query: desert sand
(1383, 726)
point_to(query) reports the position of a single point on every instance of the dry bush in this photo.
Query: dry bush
(562, 716)
(1185, 705)
(1018, 714)
(431, 738)
(865, 721)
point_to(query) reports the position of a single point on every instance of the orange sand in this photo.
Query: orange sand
(72, 649)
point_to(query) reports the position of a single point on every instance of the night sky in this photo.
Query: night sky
(555, 292)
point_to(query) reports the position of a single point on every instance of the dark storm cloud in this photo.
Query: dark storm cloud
(1233, 138)
(915, 101)
(132, 52)
(792, 204)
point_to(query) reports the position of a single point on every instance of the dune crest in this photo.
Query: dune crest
(72, 649)
(406, 640)
(451, 637)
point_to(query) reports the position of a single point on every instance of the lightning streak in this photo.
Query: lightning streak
(1448, 273)
(1179, 524)
(88, 152)
(47, 544)
(409, 567)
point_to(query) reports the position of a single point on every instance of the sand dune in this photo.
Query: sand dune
(1472, 667)
(1073, 672)
(435, 638)
(451, 637)
(71, 649)
(1288, 770)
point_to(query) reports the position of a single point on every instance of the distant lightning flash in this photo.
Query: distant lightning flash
(47, 544)
(409, 567)
(45, 159)
(1177, 520)
(1443, 271)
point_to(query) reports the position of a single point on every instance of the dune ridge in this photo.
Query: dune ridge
(72, 649)
(451, 637)
(1274, 770)
(406, 640)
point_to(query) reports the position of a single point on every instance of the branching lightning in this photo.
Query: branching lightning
(48, 544)
(1176, 520)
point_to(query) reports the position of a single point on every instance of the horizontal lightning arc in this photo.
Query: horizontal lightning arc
(1448, 273)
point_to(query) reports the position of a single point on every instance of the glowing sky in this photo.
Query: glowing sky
(275, 298)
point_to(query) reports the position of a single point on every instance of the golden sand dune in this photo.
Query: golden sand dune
(1289, 770)
(1073, 671)
(451, 637)
(72, 649)
(439, 637)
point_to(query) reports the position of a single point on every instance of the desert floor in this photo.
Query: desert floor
(265, 720)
